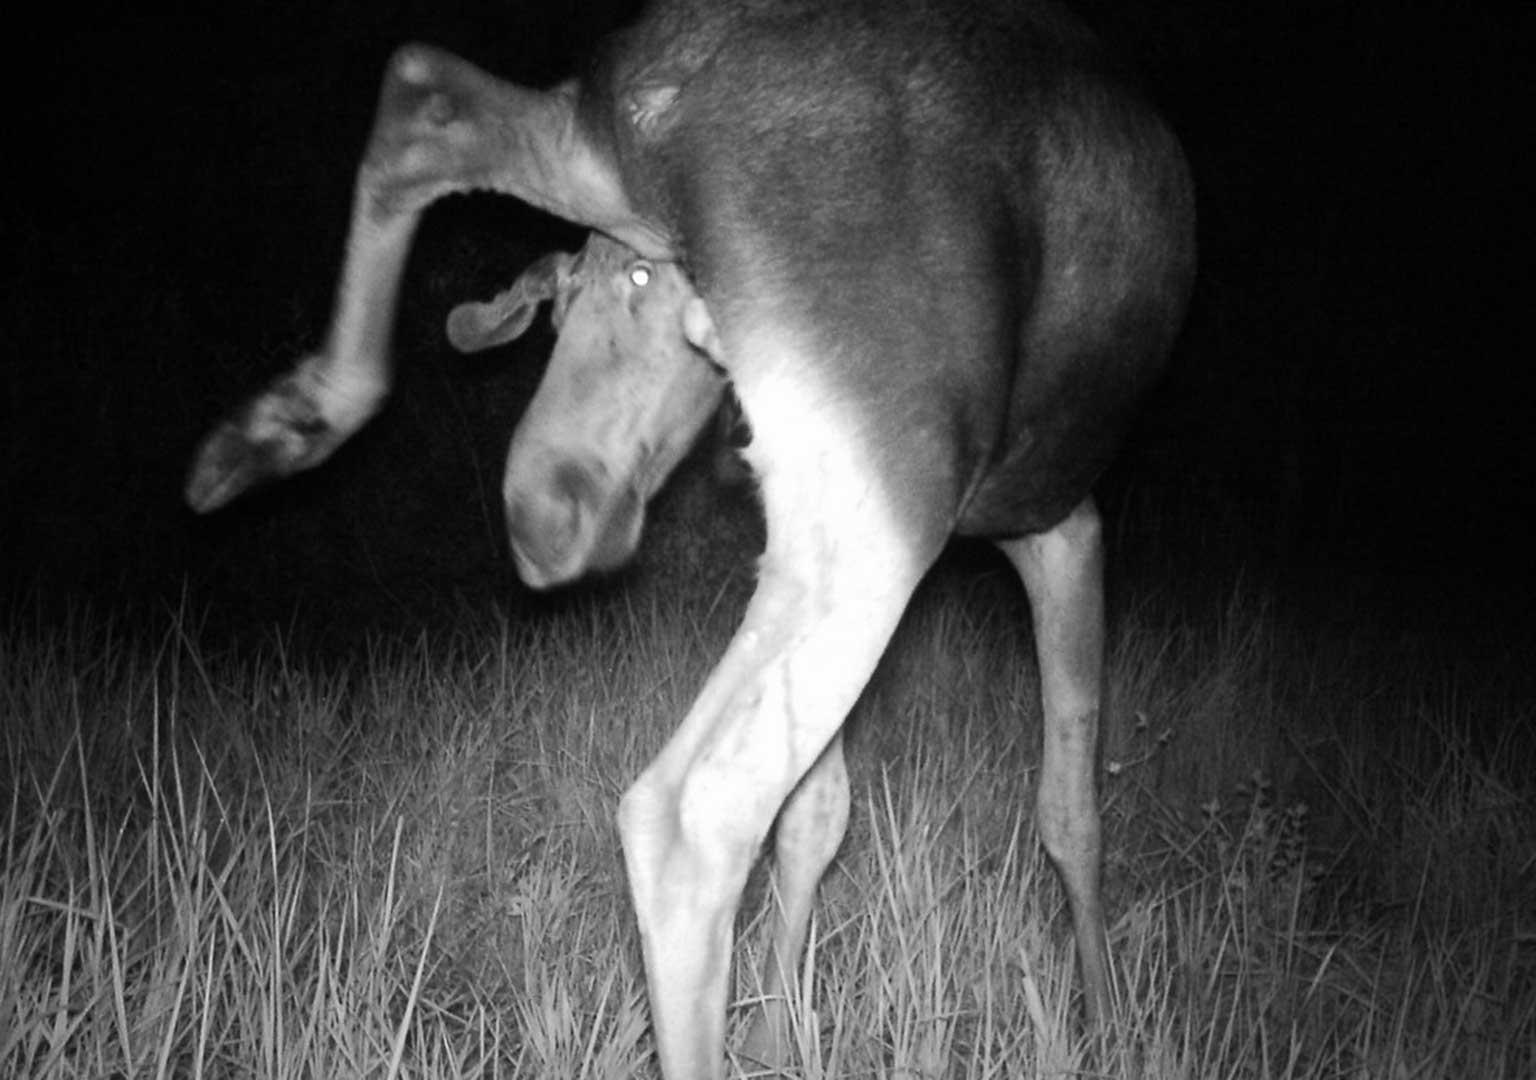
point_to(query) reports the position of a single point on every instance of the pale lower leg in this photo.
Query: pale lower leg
(684, 902)
(810, 830)
(692, 823)
(1063, 574)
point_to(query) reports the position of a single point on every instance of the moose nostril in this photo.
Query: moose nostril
(545, 522)
(550, 518)
(542, 527)
(574, 483)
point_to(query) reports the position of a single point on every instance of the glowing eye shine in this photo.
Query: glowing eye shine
(640, 275)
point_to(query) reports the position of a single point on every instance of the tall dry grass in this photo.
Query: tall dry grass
(403, 863)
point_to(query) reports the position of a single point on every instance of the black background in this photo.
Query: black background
(1347, 419)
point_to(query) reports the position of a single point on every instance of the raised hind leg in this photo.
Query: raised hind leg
(809, 831)
(1063, 572)
(442, 126)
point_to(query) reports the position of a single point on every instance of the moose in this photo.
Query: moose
(938, 248)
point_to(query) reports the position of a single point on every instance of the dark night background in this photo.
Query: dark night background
(1346, 424)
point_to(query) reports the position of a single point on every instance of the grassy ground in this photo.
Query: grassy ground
(402, 862)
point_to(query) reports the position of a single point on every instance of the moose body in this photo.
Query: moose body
(938, 247)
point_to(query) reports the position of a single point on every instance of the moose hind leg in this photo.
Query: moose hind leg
(809, 832)
(1063, 572)
(295, 424)
(692, 823)
(841, 560)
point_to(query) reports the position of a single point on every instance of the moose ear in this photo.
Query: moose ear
(476, 326)
(699, 330)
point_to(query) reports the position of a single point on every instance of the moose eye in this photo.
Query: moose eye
(640, 275)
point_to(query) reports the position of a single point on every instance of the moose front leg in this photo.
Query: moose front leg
(810, 829)
(1063, 572)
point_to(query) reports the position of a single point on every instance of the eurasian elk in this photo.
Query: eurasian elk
(940, 249)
